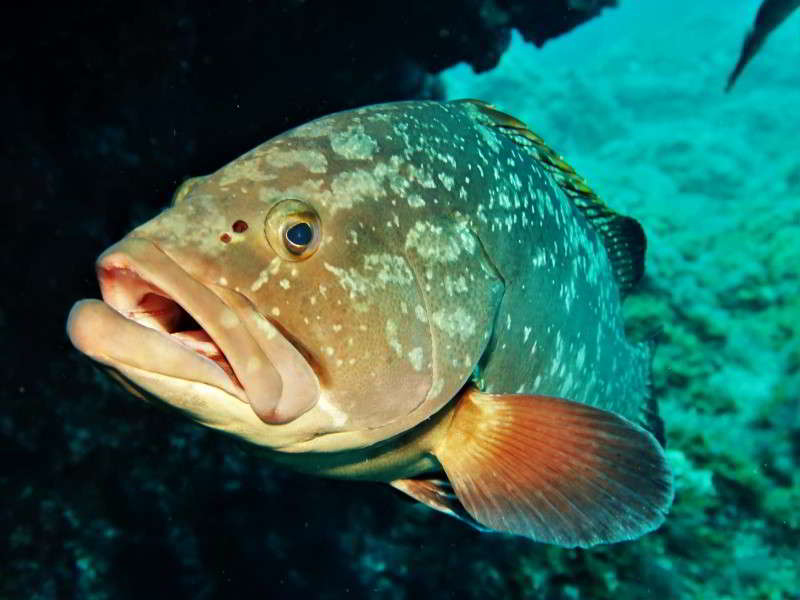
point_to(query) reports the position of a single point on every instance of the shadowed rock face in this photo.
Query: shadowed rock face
(246, 72)
(107, 108)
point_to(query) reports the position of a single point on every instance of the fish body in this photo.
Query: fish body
(770, 15)
(421, 293)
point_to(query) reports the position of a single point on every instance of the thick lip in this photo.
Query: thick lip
(155, 316)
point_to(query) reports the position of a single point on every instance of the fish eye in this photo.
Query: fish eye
(293, 229)
(298, 236)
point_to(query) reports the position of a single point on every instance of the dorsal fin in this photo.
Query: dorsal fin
(623, 237)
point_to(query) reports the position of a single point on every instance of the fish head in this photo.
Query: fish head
(275, 299)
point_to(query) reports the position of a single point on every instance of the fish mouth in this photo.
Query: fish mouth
(144, 303)
(155, 317)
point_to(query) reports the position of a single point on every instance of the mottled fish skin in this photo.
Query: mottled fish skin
(447, 318)
(559, 329)
(448, 254)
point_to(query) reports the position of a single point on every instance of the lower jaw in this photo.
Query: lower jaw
(200, 342)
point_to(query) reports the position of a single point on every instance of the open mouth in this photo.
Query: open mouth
(156, 321)
(129, 294)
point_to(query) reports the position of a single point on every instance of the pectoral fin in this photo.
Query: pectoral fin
(437, 493)
(553, 470)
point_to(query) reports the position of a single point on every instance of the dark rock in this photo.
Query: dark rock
(107, 107)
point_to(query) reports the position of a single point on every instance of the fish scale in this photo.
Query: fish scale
(447, 319)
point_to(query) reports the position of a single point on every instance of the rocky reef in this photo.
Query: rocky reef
(109, 107)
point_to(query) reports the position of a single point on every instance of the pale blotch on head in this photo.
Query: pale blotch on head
(313, 160)
(415, 201)
(420, 312)
(378, 272)
(307, 188)
(447, 181)
(263, 277)
(427, 240)
(228, 319)
(196, 223)
(246, 168)
(415, 358)
(391, 337)
(263, 325)
(353, 143)
(455, 323)
(353, 187)
(338, 416)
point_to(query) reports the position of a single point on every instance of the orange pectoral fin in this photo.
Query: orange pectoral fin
(436, 492)
(553, 470)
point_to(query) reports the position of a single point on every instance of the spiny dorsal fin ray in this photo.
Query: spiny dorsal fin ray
(623, 237)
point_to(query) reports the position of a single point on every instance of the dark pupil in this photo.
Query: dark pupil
(300, 234)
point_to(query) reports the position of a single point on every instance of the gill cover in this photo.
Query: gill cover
(462, 290)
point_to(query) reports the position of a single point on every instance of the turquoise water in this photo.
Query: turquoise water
(635, 102)
(106, 496)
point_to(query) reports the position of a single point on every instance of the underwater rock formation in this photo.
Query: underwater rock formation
(108, 109)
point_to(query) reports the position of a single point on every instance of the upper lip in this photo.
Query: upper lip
(175, 325)
(143, 284)
(139, 300)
